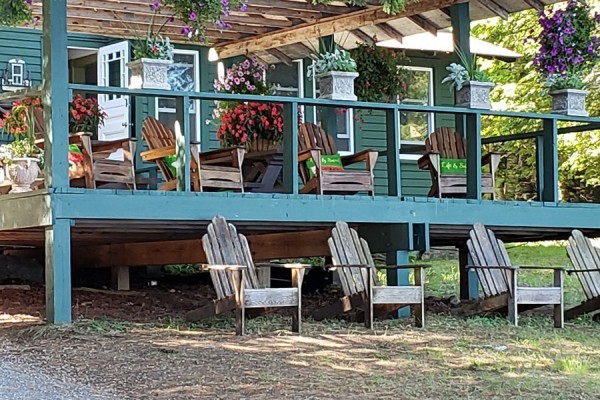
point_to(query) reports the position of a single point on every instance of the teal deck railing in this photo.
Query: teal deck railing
(469, 119)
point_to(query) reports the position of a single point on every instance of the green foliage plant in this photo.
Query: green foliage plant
(391, 7)
(14, 12)
(336, 60)
(467, 70)
(381, 75)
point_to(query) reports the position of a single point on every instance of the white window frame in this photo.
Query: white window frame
(17, 78)
(430, 116)
(195, 103)
(349, 123)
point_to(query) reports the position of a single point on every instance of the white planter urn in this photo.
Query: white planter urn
(148, 73)
(569, 102)
(22, 173)
(475, 95)
(337, 85)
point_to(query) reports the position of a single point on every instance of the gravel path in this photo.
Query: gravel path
(20, 381)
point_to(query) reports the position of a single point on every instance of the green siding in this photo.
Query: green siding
(369, 133)
(25, 44)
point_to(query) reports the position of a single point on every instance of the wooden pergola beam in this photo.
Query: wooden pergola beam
(538, 5)
(425, 24)
(363, 37)
(324, 27)
(281, 56)
(495, 8)
(390, 31)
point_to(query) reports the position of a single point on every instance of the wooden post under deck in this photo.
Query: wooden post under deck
(58, 272)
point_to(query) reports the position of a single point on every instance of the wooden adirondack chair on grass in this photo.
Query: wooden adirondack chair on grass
(446, 144)
(358, 276)
(313, 142)
(230, 263)
(586, 262)
(216, 169)
(498, 279)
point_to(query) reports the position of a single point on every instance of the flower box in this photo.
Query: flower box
(475, 95)
(569, 102)
(336, 85)
(149, 73)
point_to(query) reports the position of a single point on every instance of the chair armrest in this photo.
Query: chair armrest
(98, 146)
(306, 154)
(404, 266)
(348, 266)
(510, 267)
(424, 162)
(358, 157)
(547, 268)
(152, 155)
(220, 154)
(581, 271)
(285, 265)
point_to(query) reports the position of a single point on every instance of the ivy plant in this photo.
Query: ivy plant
(14, 12)
(389, 6)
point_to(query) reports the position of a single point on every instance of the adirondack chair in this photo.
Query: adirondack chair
(313, 142)
(498, 279)
(586, 262)
(446, 143)
(217, 169)
(230, 263)
(358, 276)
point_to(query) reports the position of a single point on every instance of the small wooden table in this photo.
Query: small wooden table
(263, 171)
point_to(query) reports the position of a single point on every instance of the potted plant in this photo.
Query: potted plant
(22, 156)
(152, 56)
(336, 72)
(247, 124)
(85, 115)
(470, 82)
(380, 77)
(253, 125)
(568, 52)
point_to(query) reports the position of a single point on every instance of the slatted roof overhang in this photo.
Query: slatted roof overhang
(281, 29)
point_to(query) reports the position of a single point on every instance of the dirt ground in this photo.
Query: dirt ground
(137, 347)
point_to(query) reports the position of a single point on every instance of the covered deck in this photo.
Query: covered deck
(126, 228)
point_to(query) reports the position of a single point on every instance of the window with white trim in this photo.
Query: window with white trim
(183, 76)
(416, 126)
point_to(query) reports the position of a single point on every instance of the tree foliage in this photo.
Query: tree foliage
(520, 88)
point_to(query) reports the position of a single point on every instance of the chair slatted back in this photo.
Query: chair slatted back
(312, 136)
(486, 250)
(347, 248)
(585, 256)
(38, 119)
(158, 136)
(224, 246)
(448, 143)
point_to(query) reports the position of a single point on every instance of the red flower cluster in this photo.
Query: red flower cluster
(19, 120)
(85, 114)
(249, 121)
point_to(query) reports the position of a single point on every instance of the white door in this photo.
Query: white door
(112, 71)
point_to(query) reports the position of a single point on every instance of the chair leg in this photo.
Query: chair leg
(369, 301)
(297, 278)
(240, 311)
(513, 310)
(419, 309)
(559, 309)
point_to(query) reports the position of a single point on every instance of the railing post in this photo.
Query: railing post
(392, 127)
(547, 161)
(182, 143)
(473, 129)
(290, 148)
(55, 93)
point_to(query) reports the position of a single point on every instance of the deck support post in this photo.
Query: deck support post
(120, 278)
(290, 148)
(474, 156)
(55, 96)
(460, 19)
(58, 272)
(392, 126)
(183, 144)
(547, 162)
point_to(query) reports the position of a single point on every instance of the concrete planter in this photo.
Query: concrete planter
(148, 73)
(475, 95)
(22, 173)
(569, 102)
(336, 85)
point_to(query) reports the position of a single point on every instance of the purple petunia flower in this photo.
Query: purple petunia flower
(193, 16)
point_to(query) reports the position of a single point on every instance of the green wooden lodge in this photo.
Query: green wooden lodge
(120, 228)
